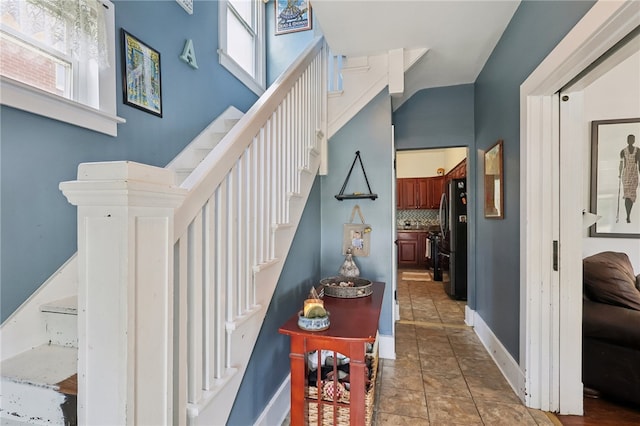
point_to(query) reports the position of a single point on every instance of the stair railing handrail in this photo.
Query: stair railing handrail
(174, 282)
(239, 137)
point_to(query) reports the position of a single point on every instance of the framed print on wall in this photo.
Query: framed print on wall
(141, 82)
(615, 163)
(292, 16)
(494, 182)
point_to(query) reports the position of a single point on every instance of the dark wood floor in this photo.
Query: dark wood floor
(600, 412)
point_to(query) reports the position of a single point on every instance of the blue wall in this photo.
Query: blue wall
(370, 133)
(36, 153)
(535, 29)
(436, 118)
(269, 364)
(283, 49)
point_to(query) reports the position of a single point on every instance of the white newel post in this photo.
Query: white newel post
(125, 292)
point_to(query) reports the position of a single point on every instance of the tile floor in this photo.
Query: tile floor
(442, 375)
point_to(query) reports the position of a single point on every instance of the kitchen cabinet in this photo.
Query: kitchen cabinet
(434, 192)
(419, 193)
(459, 171)
(411, 248)
(409, 193)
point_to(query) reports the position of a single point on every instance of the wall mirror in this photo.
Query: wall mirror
(493, 182)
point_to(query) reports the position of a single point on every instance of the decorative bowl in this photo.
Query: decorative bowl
(346, 287)
(313, 324)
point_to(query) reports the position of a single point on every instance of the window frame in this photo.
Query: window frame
(257, 84)
(25, 97)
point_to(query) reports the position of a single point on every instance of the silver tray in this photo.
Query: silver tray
(361, 287)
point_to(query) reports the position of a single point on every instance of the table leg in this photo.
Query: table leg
(298, 373)
(357, 371)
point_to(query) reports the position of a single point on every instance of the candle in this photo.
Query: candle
(310, 303)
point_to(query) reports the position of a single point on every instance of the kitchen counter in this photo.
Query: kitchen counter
(428, 228)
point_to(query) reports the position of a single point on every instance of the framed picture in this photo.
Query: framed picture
(141, 81)
(615, 162)
(356, 237)
(494, 182)
(292, 16)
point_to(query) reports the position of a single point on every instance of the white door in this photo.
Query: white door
(550, 365)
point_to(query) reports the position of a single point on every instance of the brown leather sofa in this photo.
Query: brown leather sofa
(611, 327)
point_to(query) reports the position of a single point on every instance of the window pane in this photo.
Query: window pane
(240, 44)
(35, 67)
(35, 23)
(243, 7)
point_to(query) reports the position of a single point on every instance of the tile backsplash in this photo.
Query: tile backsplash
(420, 217)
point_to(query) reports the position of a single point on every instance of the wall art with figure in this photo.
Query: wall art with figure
(615, 173)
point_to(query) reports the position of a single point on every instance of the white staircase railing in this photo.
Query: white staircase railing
(175, 281)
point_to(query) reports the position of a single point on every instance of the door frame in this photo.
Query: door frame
(550, 348)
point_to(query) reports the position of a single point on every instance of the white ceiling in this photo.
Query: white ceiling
(460, 34)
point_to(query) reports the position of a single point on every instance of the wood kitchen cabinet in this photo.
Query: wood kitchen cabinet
(411, 248)
(434, 192)
(419, 193)
(409, 193)
(459, 171)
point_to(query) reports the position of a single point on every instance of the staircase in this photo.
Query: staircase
(203, 240)
(193, 154)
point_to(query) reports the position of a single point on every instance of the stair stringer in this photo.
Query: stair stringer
(363, 78)
(24, 329)
(244, 331)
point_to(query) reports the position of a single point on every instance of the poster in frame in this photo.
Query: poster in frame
(615, 162)
(141, 79)
(292, 16)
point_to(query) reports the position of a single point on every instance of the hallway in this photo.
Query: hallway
(442, 374)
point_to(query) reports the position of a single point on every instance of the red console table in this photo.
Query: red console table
(354, 322)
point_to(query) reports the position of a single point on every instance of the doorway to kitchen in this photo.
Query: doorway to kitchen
(431, 225)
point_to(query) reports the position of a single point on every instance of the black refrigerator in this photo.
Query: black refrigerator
(453, 223)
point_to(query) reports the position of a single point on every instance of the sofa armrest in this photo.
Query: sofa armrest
(614, 324)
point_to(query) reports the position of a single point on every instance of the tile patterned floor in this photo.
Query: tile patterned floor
(442, 375)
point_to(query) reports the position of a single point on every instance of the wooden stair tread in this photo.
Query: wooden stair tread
(69, 386)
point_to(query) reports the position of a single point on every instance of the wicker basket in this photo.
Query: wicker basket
(342, 407)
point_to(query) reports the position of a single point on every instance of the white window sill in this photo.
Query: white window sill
(22, 96)
(235, 69)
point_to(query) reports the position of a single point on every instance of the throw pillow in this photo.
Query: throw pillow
(608, 278)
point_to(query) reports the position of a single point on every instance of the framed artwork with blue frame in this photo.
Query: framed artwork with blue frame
(141, 79)
(292, 16)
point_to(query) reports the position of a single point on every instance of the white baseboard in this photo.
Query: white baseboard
(278, 408)
(386, 346)
(468, 315)
(508, 366)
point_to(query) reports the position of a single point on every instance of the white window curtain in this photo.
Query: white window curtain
(85, 29)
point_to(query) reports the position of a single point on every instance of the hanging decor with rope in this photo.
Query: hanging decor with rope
(356, 195)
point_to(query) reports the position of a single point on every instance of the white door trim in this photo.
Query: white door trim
(553, 383)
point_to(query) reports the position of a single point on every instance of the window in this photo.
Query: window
(242, 41)
(57, 59)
